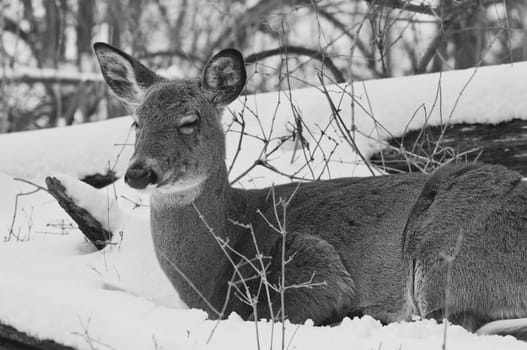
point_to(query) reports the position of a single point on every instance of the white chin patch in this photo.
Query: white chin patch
(179, 187)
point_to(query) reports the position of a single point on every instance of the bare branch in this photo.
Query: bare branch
(447, 11)
(299, 50)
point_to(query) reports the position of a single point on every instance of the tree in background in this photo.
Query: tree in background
(46, 63)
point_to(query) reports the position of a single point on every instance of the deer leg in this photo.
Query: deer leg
(317, 285)
(432, 298)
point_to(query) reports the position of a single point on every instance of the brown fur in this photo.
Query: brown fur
(348, 242)
(487, 206)
(345, 233)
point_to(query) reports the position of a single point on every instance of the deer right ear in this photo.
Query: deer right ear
(224, 77)
(125, 75)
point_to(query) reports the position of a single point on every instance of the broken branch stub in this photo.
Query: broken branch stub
(88, 225)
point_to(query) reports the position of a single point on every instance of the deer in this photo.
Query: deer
(366, 246)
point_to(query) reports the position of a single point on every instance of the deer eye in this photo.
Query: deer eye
(188, 124)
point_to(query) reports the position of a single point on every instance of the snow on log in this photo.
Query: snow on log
(387, 108)
(383, 109)
(46, 75)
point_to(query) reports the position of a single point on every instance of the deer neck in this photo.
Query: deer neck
(185, 228)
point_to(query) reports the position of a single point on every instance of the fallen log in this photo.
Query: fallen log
(100, 180)
(504, 143)
(12, 339)
(88, 225)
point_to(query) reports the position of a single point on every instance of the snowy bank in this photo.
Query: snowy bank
(57, 287)
(381, 109)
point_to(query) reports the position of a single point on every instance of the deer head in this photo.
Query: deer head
(179, 137)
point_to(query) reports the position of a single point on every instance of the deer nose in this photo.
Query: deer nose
(139, 176)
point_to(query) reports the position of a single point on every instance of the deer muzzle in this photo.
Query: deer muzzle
(139, 176)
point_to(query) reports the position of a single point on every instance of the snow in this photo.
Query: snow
(485, 95)
(81, 150)
(54, 285)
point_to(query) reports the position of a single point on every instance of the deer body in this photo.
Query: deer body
(362, 244)
(332, 220)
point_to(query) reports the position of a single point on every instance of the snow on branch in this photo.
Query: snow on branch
(34, 75)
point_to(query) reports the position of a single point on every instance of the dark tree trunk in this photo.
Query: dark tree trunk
(51, 34)
(85, 22)
(134, 21)
(115, 16)
(468, 38)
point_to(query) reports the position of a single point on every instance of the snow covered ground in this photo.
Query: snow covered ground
(54, 285)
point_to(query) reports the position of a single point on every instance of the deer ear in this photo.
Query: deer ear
(125, 75)
(224, 77)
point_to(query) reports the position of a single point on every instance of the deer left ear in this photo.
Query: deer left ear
(224, 77)
(125, 75)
